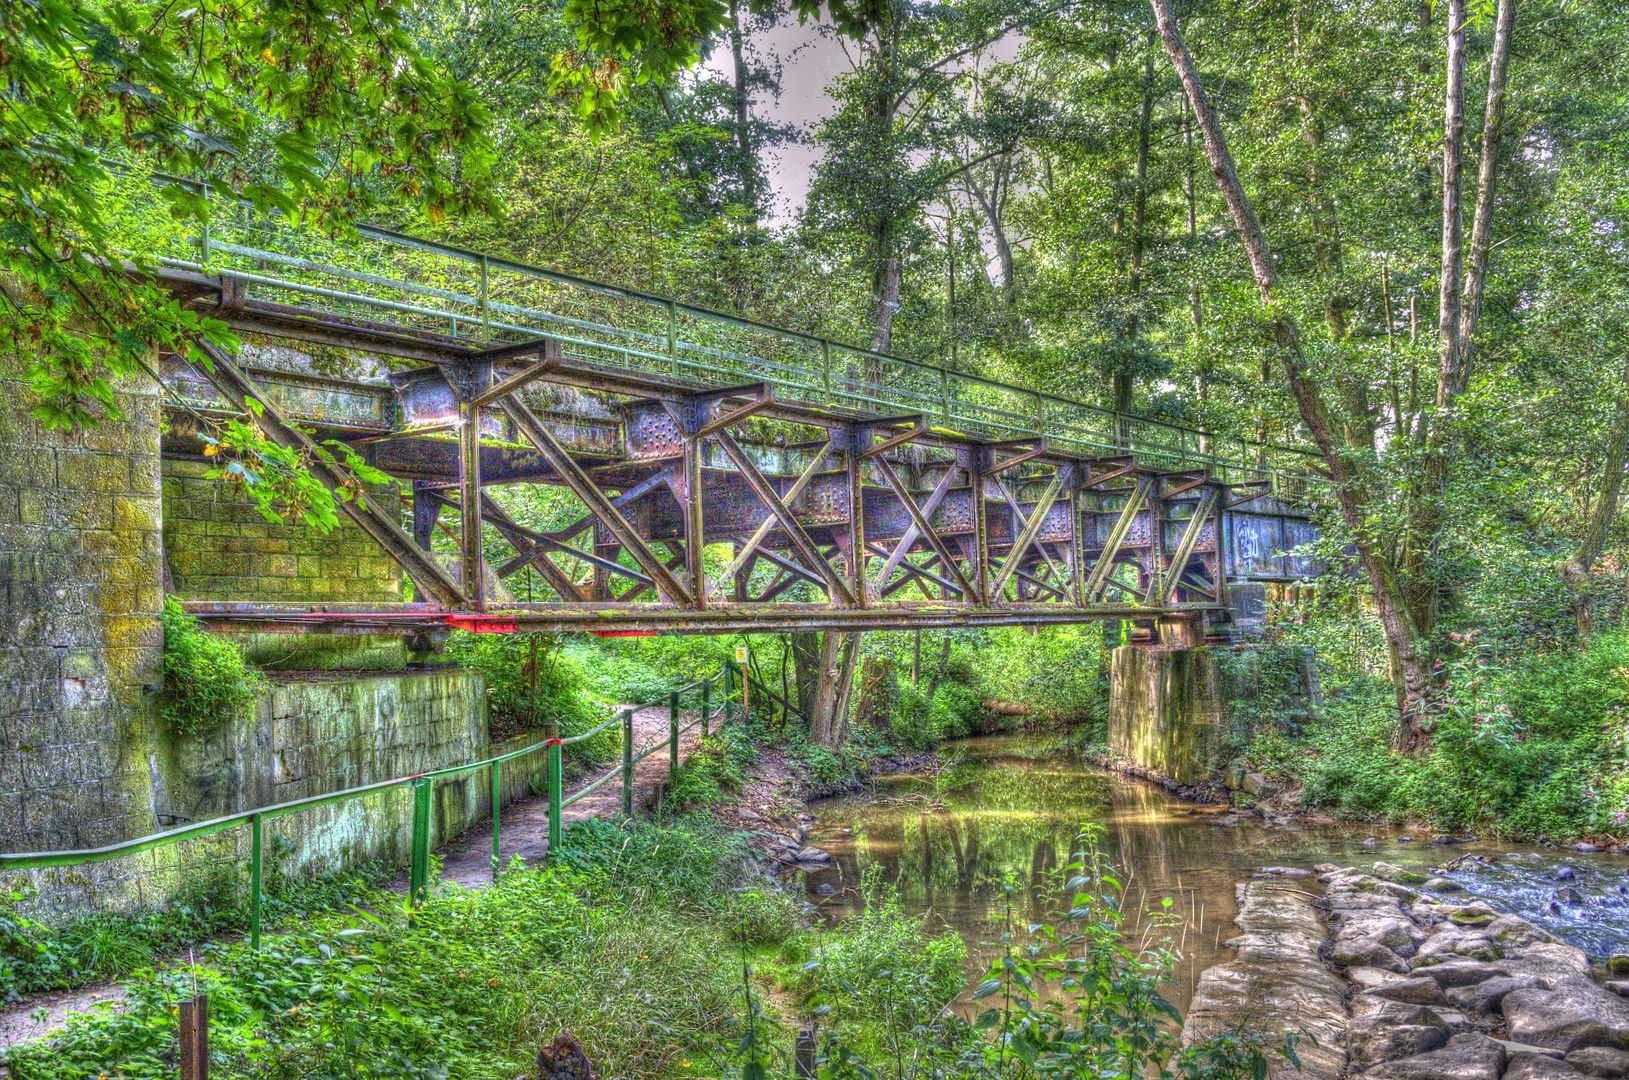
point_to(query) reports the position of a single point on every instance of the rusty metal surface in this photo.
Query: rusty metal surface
(664, 468)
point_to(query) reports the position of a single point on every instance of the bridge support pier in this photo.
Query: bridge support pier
(1174, 708)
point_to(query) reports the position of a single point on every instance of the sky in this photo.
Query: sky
(808, 59)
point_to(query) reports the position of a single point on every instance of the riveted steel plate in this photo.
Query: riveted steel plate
(1057, 526)
(824, 501)
(651, 433)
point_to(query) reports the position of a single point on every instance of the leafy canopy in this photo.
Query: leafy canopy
(316, 109)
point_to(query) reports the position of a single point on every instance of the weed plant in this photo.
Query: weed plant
(206, 679)
(627, 944)
(37, 957)
(1528, 745)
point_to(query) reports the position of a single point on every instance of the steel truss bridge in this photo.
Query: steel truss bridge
(731, 476)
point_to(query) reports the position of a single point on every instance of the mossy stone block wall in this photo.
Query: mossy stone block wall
(220, 548)
(310, 737)
(81, 642)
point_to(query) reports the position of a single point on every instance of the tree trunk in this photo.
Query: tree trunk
(1577, 573)
(939, 672)
(829, 705)
(885, 286)
(743, 135)
(1413, 661)
(805, 649)
(1487, 178)
(1453, 150)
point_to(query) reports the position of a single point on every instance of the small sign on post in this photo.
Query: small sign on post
(741, 658)
(740, 654)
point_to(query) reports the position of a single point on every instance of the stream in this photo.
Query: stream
(1018, 804)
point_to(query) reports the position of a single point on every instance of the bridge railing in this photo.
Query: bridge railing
(420, 786)
(482, 299)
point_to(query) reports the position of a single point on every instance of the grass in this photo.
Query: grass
(656, 947)
(38, 957)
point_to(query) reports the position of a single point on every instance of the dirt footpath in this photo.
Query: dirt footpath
(467, 860)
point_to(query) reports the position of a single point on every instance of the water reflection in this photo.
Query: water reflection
(951, 854)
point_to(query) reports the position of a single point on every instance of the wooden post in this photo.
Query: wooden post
(805, 1054)
(627, 763)
(706, 705)
(194, 1036)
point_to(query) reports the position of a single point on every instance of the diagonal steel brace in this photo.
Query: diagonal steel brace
(426, 573)
(601, 506)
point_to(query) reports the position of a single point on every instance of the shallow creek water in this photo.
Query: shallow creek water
(1023, 805)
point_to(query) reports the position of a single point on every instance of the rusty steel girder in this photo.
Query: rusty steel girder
(821, 518)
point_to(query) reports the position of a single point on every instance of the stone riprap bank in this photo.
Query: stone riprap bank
(1401, 984)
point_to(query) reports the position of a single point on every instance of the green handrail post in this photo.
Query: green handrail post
(672, 734)
(706, 706)
(419, 875)
(486, 309)
(497, 804)
(673, 336)
(254, 883)
(556, 793)
(627, 763)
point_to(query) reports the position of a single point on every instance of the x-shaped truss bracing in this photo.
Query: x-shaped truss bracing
(713, 509)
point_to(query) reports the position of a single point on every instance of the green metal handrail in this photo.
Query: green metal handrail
(488, 300)
(420, 784)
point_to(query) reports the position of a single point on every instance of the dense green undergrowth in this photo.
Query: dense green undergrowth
(1529, 745)
(37, 956)
(667, 958)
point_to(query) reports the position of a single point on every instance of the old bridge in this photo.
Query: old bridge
(728, 475)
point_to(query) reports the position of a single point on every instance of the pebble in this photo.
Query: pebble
(1566, 873)
(1405, 839)
(1370, 842)
(1586, 848)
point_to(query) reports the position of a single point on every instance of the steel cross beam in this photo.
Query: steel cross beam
(745, 555)
(1092, 591)
(1166, 583)
(793, 528)
(920, 521)
(1032, 528)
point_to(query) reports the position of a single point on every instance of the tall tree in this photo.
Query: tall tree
(1404, 588)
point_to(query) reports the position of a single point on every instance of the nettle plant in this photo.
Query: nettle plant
(1472, 710)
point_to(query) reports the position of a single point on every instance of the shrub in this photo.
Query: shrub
(714, 765)
(883, 962)
(531, 684)
(206, 679)
(683, 862)
(956, 710)
(913, 719)
(758, 916)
